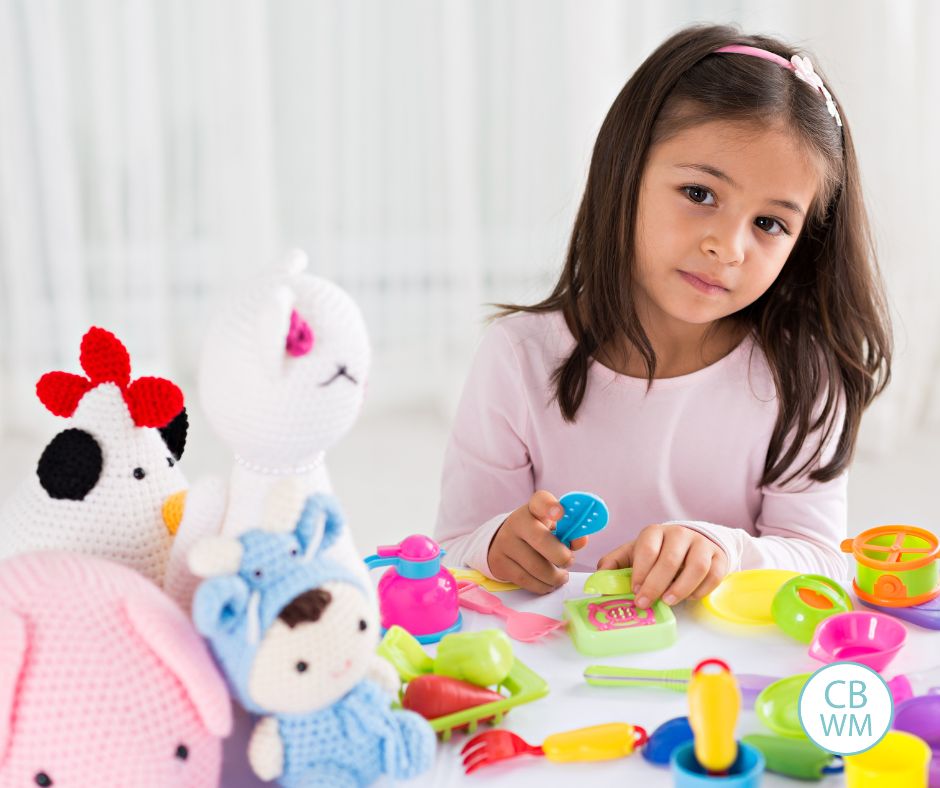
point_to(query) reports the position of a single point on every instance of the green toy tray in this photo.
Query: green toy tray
(610, 624)
(521, 685)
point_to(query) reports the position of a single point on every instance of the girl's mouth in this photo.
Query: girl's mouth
(701, 285)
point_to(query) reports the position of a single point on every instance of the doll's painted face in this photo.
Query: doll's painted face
(721, 206)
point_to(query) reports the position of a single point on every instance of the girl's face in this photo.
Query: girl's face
(721, 205)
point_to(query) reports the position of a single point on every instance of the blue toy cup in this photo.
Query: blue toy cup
(745, 772)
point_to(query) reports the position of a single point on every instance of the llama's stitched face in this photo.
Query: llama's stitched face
(316, 651)
(274, 403)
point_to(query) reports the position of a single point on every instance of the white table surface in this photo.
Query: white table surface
(572, 703)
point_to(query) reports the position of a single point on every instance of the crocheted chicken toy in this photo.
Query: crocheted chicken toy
(103, 680)
(108, 483)
(282, 379)
(295, 634)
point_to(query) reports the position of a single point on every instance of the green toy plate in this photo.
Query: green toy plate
(777, 706)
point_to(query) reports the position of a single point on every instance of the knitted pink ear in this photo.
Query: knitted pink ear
(176, 644)
(299, 335)
(12, 656)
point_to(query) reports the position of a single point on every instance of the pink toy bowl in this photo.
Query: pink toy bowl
(871, 639)
(417, 593)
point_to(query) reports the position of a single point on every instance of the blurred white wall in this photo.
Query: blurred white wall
(428, 155)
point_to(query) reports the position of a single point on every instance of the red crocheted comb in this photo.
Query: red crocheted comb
(152, 402)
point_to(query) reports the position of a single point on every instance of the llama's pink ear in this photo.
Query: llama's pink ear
(175, 642)
(12, 657)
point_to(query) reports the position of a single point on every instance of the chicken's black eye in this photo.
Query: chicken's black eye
(362, 625)
(301, 666)
(182, 752)
(43, 779)
(258, 573)
(139, 473)
(294, 551)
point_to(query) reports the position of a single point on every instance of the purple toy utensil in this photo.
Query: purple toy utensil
(750, 684)
(525, 627)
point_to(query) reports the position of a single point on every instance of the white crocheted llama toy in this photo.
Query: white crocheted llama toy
(282, 379)
(107, 485)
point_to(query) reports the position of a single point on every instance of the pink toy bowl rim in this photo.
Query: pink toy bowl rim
(829, 639)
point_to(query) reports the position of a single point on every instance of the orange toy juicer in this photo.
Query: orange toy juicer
(896, 565)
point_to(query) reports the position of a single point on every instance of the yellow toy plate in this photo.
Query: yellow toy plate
(473, 576)
(746, 597)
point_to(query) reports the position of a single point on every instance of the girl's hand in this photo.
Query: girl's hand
(671, 562)
(524, 550)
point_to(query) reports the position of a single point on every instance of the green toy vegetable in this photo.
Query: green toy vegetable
(482, 658)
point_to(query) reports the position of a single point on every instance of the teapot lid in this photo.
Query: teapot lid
(416, 547)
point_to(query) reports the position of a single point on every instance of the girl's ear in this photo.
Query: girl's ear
(167, 633)
(320, 524)
(12, 656)
(219, 604)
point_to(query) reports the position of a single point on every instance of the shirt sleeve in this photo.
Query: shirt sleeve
(801, 524)
(487, 468)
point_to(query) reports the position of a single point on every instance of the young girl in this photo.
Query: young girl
(705, 358)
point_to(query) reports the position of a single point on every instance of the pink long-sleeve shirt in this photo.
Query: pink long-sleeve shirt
(691, 449)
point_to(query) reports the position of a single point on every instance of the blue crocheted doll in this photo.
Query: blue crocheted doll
(295, 634)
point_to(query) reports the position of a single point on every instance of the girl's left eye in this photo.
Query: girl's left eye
(699, 194)
(766, 223)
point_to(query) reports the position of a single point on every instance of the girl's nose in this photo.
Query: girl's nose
(725, 244)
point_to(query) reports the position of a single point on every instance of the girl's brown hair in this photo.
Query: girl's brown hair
(823, 324)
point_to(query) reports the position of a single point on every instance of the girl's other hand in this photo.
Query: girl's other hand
(670, 562)
(525, 551)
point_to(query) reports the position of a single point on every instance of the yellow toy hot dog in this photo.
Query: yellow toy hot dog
(714, 705)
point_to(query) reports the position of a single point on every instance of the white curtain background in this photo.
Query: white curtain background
(429, 156)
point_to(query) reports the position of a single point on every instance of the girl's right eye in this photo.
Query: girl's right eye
(698, 194)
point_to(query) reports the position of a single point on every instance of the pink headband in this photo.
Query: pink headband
(801, 66)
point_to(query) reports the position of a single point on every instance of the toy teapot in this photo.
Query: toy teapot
(417, 593)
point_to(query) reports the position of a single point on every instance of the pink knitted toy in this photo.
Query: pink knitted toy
(103, 680)
(108, 484)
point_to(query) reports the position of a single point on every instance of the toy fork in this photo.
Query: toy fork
(597, 743)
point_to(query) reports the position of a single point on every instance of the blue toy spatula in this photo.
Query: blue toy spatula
(585, 514)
